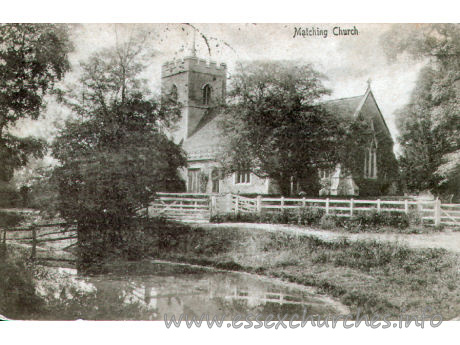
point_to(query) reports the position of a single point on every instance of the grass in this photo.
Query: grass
(375, 277)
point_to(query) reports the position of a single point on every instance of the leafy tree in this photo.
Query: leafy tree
(449, 173)
(32, 58)
(429, 125)
(424, 138)
(115, 156)
(274, 126)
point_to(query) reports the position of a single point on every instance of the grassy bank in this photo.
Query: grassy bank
(375, 277)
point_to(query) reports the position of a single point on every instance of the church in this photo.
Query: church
(200, 86)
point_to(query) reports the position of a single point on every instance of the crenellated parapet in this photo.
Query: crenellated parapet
(192, 64)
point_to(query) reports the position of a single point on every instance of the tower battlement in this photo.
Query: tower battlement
(192, 64)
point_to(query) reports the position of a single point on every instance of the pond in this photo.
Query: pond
(148, 290)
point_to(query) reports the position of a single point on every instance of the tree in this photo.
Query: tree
(274, 126)
(429, 125)
(114, 157)
(423, 138)
(449, 173)
(32, 58)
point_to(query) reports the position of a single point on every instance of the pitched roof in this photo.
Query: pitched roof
(345, 107)
(206, 140)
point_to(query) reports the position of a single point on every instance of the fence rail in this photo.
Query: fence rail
(181, 206)
(431, 211)
(194, 206)
(37, 234)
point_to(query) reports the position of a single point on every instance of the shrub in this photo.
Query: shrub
(328, 222)
(10, 219)
(397, 220)
(415, 218)
(366, 219)
(314, 216)
(136, 240)
(17, 289)
(9, 196)
(232, 218)
(310, 215)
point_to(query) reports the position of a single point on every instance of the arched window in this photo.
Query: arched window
(206, 94)
(370, 161)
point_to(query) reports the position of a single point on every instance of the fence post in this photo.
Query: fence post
(406, 206)
(420, 210)
(34, 243)
(304, 202)
(351, 207)
(437, 212)
(378, 205)
(259, 204)
(327, 205)
(213, 207)
(237, 204)
(4, 236)
(282, 203)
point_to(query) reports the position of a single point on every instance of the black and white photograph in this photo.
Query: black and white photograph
(248, 175)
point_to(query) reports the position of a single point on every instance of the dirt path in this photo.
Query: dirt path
(447, 239)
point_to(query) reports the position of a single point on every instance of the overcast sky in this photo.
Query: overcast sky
(348, 61)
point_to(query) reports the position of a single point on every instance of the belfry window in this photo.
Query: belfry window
(206, 94)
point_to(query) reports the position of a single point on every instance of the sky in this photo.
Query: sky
(347, 61)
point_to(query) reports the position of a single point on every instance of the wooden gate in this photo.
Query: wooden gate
(241, 204)
(450, 214)
(188, 207)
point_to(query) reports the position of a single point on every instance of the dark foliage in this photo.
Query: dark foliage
(17, 289)
(312, 216)
(10, 219)
(429, 125)
(275, 127)
(116, 157)
(33, 57)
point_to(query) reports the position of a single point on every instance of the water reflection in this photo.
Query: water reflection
(169, 290)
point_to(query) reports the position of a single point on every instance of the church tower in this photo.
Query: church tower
(199, 86)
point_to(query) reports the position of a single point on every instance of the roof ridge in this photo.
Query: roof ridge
(341, 99)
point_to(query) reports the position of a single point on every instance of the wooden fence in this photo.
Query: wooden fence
(433, 212)
(199, 207)
(181, 206)
(37, 234)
